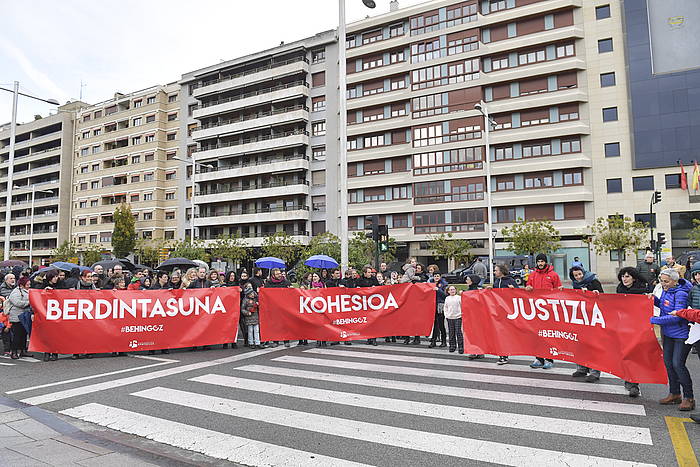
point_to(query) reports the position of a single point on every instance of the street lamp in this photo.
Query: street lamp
(194, 166)
(342, 132)
(481, 107)
(11, 159)
(31, 220)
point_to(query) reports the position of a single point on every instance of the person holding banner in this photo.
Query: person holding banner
(585, 280)
(439, 323)
(631, 282)
(543, 277)
(277, 281)
(503, 280)
(675, 332)
(409, 275)
(368, 280)
(15, 305)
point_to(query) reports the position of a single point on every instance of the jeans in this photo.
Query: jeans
(456, 337)
(675, 354)
(253, 334)
(439, 325)
(19, 337)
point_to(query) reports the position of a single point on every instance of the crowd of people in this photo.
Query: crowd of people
(675, 289)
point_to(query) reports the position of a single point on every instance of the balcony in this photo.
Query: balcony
(252, 216)
(248, 77)
(274, 94)
(256, 239)
(267, 190)
(252, 121)
(257, 144)
(279, 164)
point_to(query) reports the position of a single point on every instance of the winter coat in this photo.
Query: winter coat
(694, 297)
(504, 282)
(348, 282)
(256, 282)
(199, 284)
(85, 285)
(480, 269)
(16, 304)
(366, 282)
(6, 290)
(546, 279)
(475, 281)
(649, 272)
(637, 288)
(249, 308)
(440, 293)
(330, 282)
(409, 274)
(277, 284)
(690, 315)
(589, 282)
(453, 307)
(673, 299)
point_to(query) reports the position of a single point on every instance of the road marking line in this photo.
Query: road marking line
(515, 398)
(84, 378)
(464, 363)
(681, 443)
(68, 393)
(459, 375)
(7, 364)
(466, 448)
(157, 359)
(208, 442)
(559, 426)
(23, 359)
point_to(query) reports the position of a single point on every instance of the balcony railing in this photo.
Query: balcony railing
(260, 92)
(244, 118)
(256, 139)
(270, 66)
(267, 161)
(240, 212)
(253, 187)
(303, 233)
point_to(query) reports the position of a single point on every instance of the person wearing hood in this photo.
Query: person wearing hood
(631, 282)
(543, 278)
(675, 332)
(72, 280)
(473, 281)
(15, 305)
(585, 280)
(9, 283)
(409, 271)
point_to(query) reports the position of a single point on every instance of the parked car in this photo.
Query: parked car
(515, 265)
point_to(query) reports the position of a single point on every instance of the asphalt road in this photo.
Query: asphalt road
(351, 405)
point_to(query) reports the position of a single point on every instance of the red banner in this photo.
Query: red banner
(607, 332)
(96, 321)
(340, 314)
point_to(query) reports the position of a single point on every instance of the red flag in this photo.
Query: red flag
(684, 179)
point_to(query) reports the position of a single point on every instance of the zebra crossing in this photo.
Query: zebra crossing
(304, 406)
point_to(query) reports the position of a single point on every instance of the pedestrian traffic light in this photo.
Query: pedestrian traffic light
(657, 197)
(383, 240)
(660, 239)
(372, 223)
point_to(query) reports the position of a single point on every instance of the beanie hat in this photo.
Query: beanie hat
(695, 268)
(542, 257)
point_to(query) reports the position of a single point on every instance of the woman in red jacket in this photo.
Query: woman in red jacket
(545, 278)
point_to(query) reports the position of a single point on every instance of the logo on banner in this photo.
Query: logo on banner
(133, 344)
(345, 303)
(553, 351)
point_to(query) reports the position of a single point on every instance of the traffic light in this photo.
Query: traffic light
(660, 239)
(372, 223)
(383, 238)
(657, 197)
(653, 246)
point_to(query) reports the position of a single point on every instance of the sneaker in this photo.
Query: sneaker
(287, 344)
(634, 392)
(475, 356)
(452, 350)
(592, 378)
(347, 343)
(579, 374)
(547, 365)
(536, 364)
(502, 360)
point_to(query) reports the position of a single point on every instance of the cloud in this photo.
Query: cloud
(39, 78)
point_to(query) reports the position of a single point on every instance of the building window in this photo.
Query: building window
(319, 153)
(137, 121)
(602, 12)
(170, 176)
(95, 185)
(148, 196)
(150, 118)
(97, 132)
(318, 128)
(86, 134)
(170, 196)
(646, 219)
(84, 169)
(673, 181)
(318, 177)
(318, 56)
(605, 45)
(94, 203)
(135, 140)
(607, 79)
(172, 117)
(169, 215)
(505, 215)
(643, 183)
(135, 159)
(151, 100)
(573, 178)
(170, 136)
(135, 178)
(172, 98)
(81, 239)
(83, 204)
(610, 114)
(150, 138)
(93, 221)
(84, 151)
(318, 79)
(396, 30)
(138, 103)
(612, 149)
(614, 185)
(82, 222)
(93, 238)
(149, 157)
(148, 177)
(169, 235)
(134, 198)
(147, 216)
(318, 103)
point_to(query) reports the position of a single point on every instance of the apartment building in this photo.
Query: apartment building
(260, 131)
(42, 170)
(416, 144)
(125, 152)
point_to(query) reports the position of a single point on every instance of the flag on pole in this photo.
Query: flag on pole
(696, 174)
(684, 180)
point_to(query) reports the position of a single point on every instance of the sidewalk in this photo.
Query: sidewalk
(31, 436)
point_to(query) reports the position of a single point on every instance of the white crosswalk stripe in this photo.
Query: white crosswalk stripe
(319, 400)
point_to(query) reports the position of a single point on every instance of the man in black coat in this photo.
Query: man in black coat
(585, 280)
(368, 280)
(277, 281)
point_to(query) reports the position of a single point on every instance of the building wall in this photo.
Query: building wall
(125, 152)
(42, 161)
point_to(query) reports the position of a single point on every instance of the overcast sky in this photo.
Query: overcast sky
(49, 46)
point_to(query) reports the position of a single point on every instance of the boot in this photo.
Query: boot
(443, 343)
(47, 356)
(407, 340)
(416, 340)
(687, 405)
(393, 339)
(14, 355)
(432, 344)
(53, 357)
(225, 346)
(387, 340)
(166, 351)
(671, 399)
(23, 353)
(151, 352)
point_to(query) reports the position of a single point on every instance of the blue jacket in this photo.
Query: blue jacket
(675, 298)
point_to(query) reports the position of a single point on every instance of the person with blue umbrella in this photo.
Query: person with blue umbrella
(277, 281)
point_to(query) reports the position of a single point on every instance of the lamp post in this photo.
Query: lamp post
(31, 222)
(488, 121)
(11, 160)
(342, 132)
(194, 169)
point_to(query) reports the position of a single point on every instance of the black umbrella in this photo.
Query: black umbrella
(173, 263)
(10, 263)
(108, 264)
(127, 264)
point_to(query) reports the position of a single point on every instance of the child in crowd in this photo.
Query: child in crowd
(249, 310)
(453, 313)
